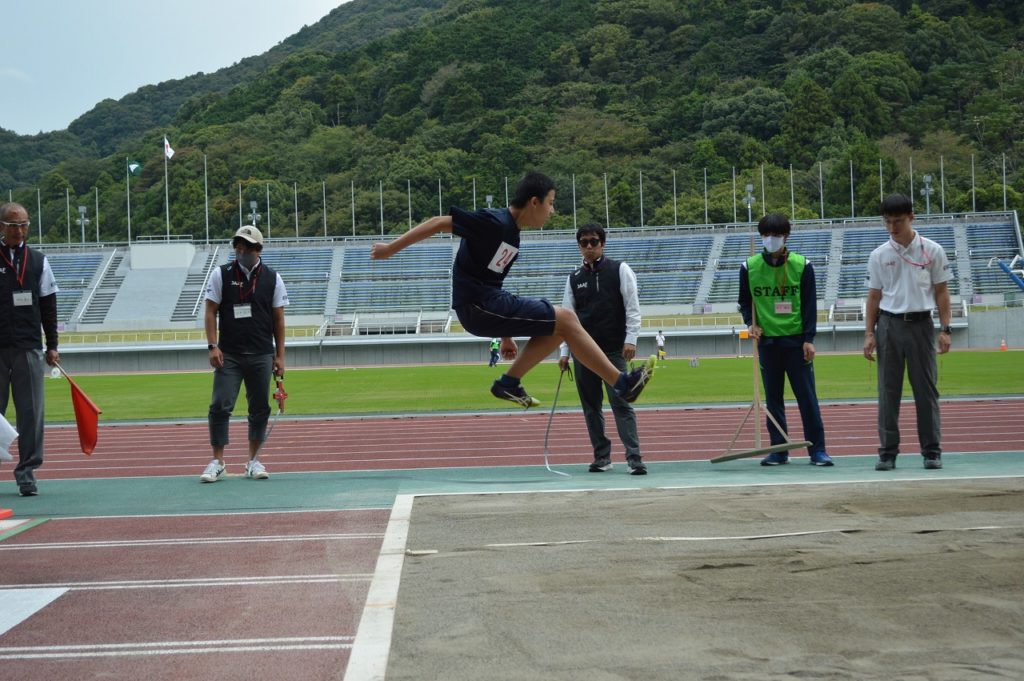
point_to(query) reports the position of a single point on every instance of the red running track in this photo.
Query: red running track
(501, 439)
(277, 596)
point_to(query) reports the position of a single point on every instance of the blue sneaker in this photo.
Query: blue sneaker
(821, 459)
(775, 459)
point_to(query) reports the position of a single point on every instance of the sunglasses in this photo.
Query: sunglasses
(22, 225)
(591, 243)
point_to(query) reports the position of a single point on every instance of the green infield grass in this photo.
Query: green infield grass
(418, 389)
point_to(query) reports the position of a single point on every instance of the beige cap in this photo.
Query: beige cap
(250, 234)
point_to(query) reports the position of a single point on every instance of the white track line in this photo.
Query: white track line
(135, 543)
(368, 660)
(198, 581)
(254, 645)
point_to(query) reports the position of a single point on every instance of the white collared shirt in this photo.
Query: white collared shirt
(907, 276)
(214, 286)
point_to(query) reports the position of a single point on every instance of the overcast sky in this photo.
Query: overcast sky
(61, 57)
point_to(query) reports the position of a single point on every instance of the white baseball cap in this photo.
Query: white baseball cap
(250, 234)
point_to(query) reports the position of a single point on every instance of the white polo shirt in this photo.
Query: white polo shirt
(907, 276)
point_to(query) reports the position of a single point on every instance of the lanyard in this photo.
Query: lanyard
(254, 276)
(20, 273)
(927, 260)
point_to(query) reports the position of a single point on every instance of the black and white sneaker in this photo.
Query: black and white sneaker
(214, 470)
(637, 467)
(598, 467)
(516, 394)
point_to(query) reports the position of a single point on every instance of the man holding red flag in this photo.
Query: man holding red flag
(28, 305)
(245, 302)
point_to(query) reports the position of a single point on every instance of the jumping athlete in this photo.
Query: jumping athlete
(490, 245)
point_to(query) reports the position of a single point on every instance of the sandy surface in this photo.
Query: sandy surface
(903, 580)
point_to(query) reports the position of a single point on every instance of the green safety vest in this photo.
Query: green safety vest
(770, 285)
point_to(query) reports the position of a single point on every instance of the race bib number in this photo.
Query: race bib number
(783, 307)
(22, 298)
(243, 311)
(504, 256)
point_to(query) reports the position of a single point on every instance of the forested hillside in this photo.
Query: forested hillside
(387, 98)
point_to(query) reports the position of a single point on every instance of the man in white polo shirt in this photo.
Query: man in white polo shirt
(907, 278)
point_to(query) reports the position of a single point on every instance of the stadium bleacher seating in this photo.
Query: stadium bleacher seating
(73, 272)
(676, 268)
(417, 278)
(986, 241)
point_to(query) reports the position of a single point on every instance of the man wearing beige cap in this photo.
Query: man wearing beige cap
(247, 298)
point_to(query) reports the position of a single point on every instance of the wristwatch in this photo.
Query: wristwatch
(947, 329)
(211, 346)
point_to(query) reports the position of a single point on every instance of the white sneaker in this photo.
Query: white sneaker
(214, 470)
(255, 470)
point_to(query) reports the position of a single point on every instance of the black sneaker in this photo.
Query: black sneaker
(28, 490)
(933, 464)
(516, 394)
(637, 468)
(637, 379)
(598, 467)
(885, 464)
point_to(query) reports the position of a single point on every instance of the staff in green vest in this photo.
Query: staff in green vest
(778, 287)
(495, 349)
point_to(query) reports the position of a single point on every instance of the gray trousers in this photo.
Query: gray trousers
(590, 387)
(255, 371)
(911, 345)
(21, 374)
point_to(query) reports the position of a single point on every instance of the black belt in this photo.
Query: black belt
(909, 316)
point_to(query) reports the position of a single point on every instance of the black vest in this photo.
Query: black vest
(253, 335)
(597, 295)
(22, 325)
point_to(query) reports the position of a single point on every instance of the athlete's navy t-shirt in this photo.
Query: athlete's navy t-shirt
(490, 244)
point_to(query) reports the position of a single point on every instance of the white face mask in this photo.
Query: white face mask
(773, 243)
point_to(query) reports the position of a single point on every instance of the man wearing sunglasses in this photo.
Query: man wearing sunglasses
(603, 293)
(28, 306)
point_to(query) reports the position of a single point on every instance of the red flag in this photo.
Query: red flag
(87, 416)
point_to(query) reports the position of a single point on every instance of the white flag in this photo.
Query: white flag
(168, 152)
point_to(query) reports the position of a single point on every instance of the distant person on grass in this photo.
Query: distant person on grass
(248, 299)
(495, 350)
(490, 245)
(907, 278)
(777, 287)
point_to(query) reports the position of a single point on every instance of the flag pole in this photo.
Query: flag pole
(167, 193)
(128, 197)
(206, 201)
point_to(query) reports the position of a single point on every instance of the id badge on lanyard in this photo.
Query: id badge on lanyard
(22, 298)
(783, 307)
(243, 311)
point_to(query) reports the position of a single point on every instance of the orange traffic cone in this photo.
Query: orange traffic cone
(1002, 345)
(5, 513)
